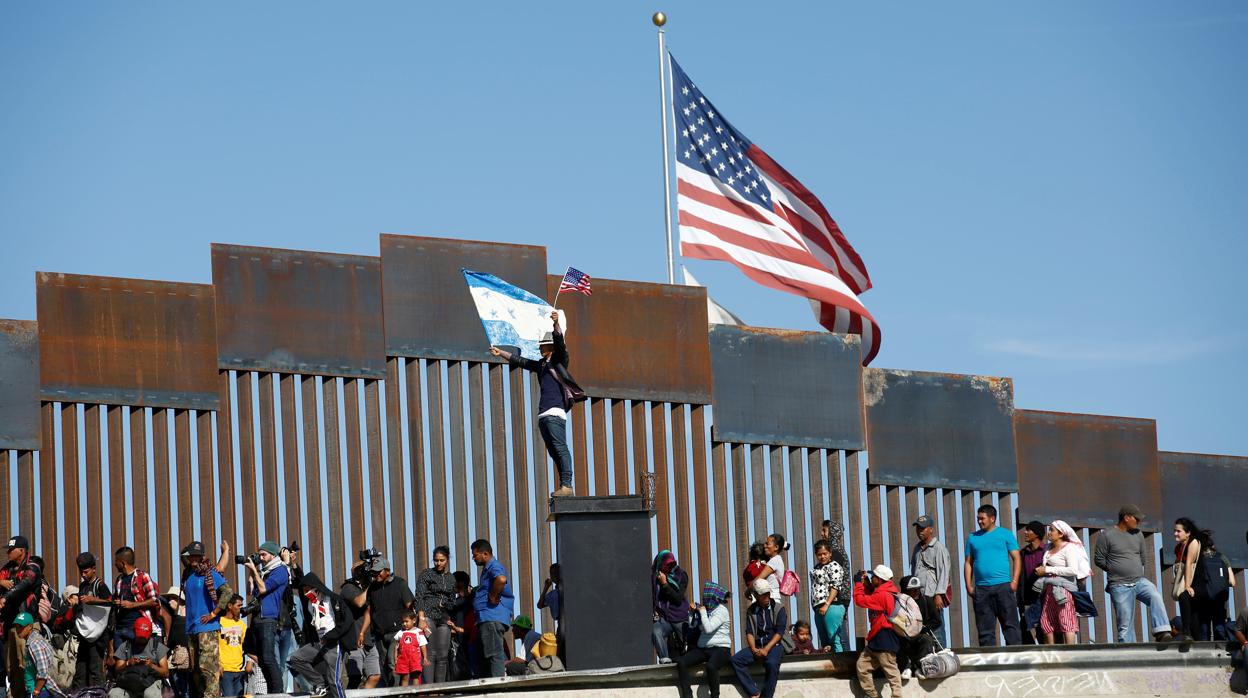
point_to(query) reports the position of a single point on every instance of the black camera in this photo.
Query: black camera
(369, 554)
(252, 606)
(242, 559)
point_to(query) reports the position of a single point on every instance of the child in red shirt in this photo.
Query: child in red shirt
(408, 651)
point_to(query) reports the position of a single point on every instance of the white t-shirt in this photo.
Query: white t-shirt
(777, 573)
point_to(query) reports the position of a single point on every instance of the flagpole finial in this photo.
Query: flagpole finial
(659, 19)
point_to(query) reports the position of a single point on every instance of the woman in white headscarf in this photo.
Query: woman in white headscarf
(1065, 563)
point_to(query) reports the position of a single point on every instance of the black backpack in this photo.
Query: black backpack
(1215, 575)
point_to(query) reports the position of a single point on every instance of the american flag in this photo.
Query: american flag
(575, 280)
(737, 205)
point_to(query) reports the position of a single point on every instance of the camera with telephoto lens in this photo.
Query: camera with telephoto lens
(242, 559)
(369, 554)
(252, 606)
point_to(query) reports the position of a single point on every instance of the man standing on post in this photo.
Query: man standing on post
(929, 562)
(207, 597)
(1120, 552)
(558, 394)
(493, 604)
(95, 604)
(389, 597)
(134, 595)
(268, 583)
(991, 572)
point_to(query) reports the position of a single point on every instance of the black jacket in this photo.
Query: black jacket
(343, 634)
(559, 364)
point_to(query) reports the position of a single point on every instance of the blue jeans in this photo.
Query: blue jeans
(286, 646)
(554, 432)
(741, 662)
(233, 683)
(1124, 597)
(661, 632)
(829, 627)
(267, 632)
(492, 633)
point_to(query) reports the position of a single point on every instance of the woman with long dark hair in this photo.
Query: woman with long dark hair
(1189, 542)
(437, 600)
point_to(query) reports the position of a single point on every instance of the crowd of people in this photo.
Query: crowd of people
(1028, 594)
(286, 630)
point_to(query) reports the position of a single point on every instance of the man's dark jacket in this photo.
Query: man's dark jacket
(343, 635)
(559, 366)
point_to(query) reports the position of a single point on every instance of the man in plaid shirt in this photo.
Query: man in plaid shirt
(135, 594)
(40, 661)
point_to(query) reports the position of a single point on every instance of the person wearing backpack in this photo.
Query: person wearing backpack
(1217, 583)
(141, 663)
(91, 623)
(766, 623)
(876, 592)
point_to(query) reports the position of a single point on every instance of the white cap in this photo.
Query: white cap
(882, 572)
(761, 586)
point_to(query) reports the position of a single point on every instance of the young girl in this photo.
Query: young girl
(755, 566)
(829, 595)
(409, 651)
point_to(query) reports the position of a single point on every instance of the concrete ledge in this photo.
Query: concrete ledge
(1137, 670)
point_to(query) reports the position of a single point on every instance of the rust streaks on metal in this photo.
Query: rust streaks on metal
(638, 340)
(19, 385)
(429, 312)
(940, 430)
(126, 341)
(1113, 460)
(787, 388)
(299, 312)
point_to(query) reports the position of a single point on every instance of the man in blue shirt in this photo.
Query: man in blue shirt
(268, 583)
(991, 572)
(493, 603)
(207, 596)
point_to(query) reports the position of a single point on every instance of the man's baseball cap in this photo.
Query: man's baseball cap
(142, 628)
(23, 619)
(19, 541)
(1130, 510)
(70, 590)
(882, 572)
(761, 586)
(378, 564)
(522, 622)
(271, 548)
(925, 521)
(194, 548)
(85, 561)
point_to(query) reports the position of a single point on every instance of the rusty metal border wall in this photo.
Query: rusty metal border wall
(426, 450)
(19, 385)
(1209, 489)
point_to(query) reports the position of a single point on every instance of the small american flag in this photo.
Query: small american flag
(575, 280)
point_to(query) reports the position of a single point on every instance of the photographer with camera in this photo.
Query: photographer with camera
(389, 597)
(363, 663)
(267, 581)
(290, 622)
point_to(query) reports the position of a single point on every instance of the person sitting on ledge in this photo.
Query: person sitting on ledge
(559, 392)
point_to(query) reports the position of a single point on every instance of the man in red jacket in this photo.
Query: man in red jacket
(875, 591)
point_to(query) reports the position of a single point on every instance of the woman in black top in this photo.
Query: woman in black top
(173, 622)
(437, 600)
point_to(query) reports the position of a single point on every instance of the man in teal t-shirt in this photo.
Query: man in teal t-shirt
(991, 572)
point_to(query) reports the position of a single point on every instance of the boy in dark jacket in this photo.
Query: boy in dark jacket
(765, 624)
(320, 661)
(874, 591)
(915, 648)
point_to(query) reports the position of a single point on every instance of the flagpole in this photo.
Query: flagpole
(555, 305)
(659, 20)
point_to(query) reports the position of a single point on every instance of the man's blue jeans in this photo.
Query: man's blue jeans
(741, 662)
(1124, 597)
(555, 433)
(492, 633)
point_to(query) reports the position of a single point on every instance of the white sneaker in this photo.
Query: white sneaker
(665, 660)
(907, 674)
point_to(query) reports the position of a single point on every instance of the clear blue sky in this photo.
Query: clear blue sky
(1051, 192)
